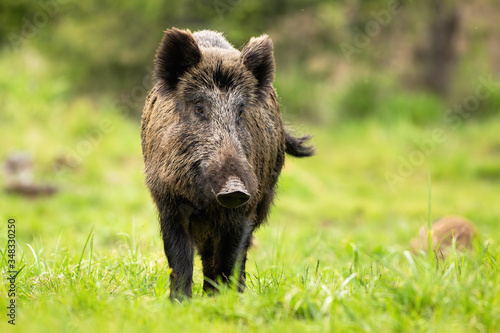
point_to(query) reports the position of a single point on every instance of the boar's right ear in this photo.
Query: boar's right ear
(258, 57)
(177, 53)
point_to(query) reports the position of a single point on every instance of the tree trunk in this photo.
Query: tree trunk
(438, 56)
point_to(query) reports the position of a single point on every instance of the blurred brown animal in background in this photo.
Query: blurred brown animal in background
(18, 177)
(443, 232)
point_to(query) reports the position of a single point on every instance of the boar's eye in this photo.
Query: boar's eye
(199, 109)
(241, 110)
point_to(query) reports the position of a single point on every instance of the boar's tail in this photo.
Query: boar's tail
(295, 146)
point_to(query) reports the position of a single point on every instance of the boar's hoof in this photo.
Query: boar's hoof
(233, 194)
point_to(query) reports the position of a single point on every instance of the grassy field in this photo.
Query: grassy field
(333, 256)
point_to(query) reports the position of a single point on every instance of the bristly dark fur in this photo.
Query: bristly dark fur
(212, 119)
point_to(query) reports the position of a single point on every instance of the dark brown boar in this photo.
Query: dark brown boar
(213, 145)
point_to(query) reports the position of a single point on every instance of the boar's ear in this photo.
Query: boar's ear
(258, 57)
(177, 53)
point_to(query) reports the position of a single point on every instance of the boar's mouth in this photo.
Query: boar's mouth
(233, 194)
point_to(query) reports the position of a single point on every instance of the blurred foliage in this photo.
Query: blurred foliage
(115, 41)
(326, 51)
(360, 100)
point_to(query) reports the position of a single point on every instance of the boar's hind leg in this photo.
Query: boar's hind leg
(207, 259)
(242, 279)
(179, 251)
(231, 253)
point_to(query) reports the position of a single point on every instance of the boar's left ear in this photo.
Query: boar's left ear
(177, 53)
(258, 57)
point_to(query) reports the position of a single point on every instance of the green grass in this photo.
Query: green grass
(333, 257)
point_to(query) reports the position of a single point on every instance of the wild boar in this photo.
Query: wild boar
(214, 145)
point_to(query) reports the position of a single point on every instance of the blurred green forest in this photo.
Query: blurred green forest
(402, 101)
(336, 60)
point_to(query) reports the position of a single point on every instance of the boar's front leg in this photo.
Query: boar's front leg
(231, 253)
(179, 251)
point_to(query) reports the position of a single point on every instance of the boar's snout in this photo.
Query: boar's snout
(233, 194)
